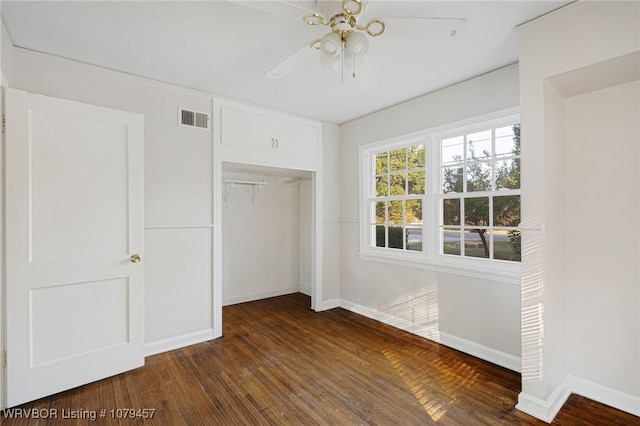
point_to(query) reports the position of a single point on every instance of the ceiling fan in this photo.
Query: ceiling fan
(346, 44)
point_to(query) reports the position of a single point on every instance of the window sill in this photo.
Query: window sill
(505, 273)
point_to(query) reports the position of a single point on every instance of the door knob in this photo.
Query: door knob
(135, 258)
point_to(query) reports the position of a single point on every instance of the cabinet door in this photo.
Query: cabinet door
(245, 129)
(274, 132)
(296, 139)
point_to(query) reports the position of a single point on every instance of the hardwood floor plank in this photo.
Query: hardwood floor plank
(279, 363)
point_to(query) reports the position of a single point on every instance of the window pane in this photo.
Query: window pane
(505, 147)
(380, 211)
(415, 155)
(452, 150)
(506, 245)
(508, 174)
(398, 185)
(381, 237)
(506, 211)
(382, 186)
(451, 179)
(414, 238)
(476, 243)
(504, 131)
(478, 177)
(398, 160)
(451, 212)
(479, 145)
(451, 241)
(476, 211)
(395, 211)
(381, 163)
(396, 237)
(507, 143)
(414, 212)
(416, 183)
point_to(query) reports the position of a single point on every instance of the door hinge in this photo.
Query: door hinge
(4, 124)
(4, 359)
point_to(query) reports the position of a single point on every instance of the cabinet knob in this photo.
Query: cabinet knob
(135, 258)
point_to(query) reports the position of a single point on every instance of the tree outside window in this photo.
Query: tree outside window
(480, 175)
(399, 198)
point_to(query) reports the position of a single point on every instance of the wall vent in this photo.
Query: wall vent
(192, 118)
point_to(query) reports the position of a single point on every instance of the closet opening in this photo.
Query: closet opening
(267, 232)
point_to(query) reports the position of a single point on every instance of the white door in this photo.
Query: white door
(74, 226)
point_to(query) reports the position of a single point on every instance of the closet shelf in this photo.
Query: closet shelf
(229, 184)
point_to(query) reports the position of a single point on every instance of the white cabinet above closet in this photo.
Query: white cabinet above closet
(254, 135)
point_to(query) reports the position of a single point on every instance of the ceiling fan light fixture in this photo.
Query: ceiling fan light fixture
(352, 7)
(331, 44)
(375, 27)
(357, 44)
(342, 26)
(331, 62)
(314, 19)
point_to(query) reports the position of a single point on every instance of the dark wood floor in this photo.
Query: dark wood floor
(281, 363)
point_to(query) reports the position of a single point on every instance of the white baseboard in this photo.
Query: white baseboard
(494, 356)
(546, 410)
(604, 395)
(305, 289)
(258, 296)
(430, 333)
(177, 342)
(486, 353)
(328, 304)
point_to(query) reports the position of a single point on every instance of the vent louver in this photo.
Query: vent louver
(192, 118)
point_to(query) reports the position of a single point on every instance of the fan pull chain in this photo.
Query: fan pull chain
(354, 67)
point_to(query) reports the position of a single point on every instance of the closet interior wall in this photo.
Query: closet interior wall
(266, 236)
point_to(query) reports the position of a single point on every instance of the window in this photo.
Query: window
(480, 193)
(448, 197)
(399, 197)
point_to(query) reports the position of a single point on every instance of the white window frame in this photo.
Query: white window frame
(430, 257)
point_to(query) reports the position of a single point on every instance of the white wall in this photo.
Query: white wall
(476, 315)
(260, 239)
(603, 236)
(331, 216)
(178, 188)
(568, 59)
(305, 240)
(6, 50)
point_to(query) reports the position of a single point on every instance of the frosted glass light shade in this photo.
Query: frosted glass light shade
(331, 62)
(330, 44)
(357, 44)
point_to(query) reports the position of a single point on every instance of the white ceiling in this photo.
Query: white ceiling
(225, 48)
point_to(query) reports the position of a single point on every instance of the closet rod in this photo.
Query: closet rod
(296, 180)
(244, 182)
(229, 183)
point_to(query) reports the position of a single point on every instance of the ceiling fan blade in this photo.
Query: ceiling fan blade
(291, 63)
(425, 28)
(280, 8)
(365, 75)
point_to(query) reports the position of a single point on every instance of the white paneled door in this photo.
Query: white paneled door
(74, 244)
